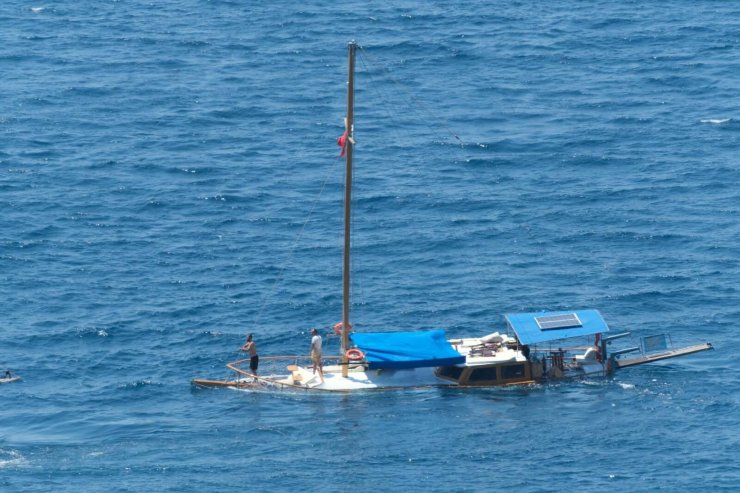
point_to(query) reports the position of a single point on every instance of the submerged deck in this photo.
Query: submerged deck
(487, 364)
(295, 372)
(649, 358)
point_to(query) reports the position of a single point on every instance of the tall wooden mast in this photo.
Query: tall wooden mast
(349, 143)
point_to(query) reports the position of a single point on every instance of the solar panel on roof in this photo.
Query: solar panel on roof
(558, 321)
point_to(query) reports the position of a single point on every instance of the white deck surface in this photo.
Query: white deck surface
(364, 380)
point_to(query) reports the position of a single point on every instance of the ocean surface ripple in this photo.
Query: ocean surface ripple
(170, 181)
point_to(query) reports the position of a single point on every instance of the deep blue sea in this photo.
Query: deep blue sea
(170, 181)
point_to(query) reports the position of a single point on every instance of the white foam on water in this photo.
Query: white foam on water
(12, 458)
(716, 121)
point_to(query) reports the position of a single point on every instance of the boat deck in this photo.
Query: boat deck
(649, 358)
(295, 372)
(358, 378)
(478, 351)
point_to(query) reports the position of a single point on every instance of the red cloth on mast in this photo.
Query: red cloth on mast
(342, 142)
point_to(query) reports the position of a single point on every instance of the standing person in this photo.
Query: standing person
(251, 348)
(316, 353)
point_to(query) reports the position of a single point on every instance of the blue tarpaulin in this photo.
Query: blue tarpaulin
(531, 328)
(406, 349)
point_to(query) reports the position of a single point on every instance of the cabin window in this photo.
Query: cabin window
(450, 372)
(512, 371)
(483, 374)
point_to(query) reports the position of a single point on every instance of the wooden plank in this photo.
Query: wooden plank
(649, 358)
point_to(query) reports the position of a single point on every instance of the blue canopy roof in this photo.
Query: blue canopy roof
(406, 349)
(531, 328)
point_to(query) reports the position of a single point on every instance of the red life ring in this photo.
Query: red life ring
(338, 328)
(354, 355)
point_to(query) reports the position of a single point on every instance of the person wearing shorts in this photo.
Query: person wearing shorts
(251, 348)
(316, 353)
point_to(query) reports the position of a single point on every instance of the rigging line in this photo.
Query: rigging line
(373, 86)
(391, 109)
(356, 279)
(366, 57)
(355, 261)
(412, 108)
(391, 112)
(358, 298)
(279, 277)
(387, 108)
(414, 99)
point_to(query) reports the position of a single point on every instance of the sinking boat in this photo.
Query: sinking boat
(535, 347)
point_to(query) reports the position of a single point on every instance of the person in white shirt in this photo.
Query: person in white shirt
(316, 353)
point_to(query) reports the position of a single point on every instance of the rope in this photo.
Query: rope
(435, 121)
(279, 277)
(429, 113)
